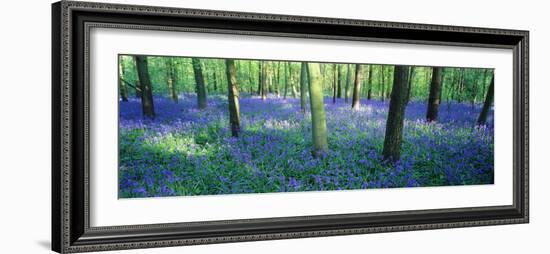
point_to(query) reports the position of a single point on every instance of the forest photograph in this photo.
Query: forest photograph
(206, 126)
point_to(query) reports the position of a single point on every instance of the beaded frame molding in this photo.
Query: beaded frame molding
(71, 23)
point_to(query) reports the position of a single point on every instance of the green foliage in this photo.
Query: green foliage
(459, 84)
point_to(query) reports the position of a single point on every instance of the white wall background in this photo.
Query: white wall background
(25, 125)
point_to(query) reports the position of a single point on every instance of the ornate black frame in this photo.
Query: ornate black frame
(71, 22)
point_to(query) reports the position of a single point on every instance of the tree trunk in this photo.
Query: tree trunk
(340, 80)
(146, 90)
(411, 78)
(285, 88)
(260, 71)
(334, 84)
(250, 76)
(487, 104)
(460, 86)
(170, 79)
(278, 79)
(317, 106)
(369, 92)
(215, 81)
(199, 83)
(303, 87)
(294, 91)
(348, 81)
(356, 100)
(138, 84)
(435, 91)
(264, 83)
(396, 115)
(383, 83)
(389, 88)
(269, 77)
(293, 84)
(233, 98)
(122, 86)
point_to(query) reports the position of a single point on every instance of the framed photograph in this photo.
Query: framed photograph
(181, 126)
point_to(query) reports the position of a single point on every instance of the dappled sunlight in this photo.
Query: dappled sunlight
(186, 151)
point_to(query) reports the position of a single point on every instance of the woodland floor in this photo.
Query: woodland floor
(186, 151)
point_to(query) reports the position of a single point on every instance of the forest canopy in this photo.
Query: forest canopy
(458, 84)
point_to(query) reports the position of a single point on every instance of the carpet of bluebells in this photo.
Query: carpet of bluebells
(187, 151)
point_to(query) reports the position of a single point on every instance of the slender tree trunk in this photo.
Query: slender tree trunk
(294, 91)
(390, 80)
(484, 82)
(443, 71)
(369, 92)
(138, 84)
(460, 86)
(285, 88)
(260, 71)
(292, 83)
(250, 77)
(147, 104)
(383, 84)
(356, 101)
(487, 104)
(122, 86)
(348, 81)
(215, 81)
(411, 79)
(278, 78)
(264, 83)
(269, 76)
(396, 115)
(199, 83)
(317, 106)
(233, 98)
(303, 87)
(334, 84)
(340, 80)
(435, 91)
(170, 79)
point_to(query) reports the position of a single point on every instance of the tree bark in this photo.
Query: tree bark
(233, 98)
(147, 104)
(348, 81)
(285, 88)
(390, 71)
(303, 87)
(411, 78)
(293, 84)
(138, 84)
(487, 104)
(383, 84)
(334, 84)
(215, 81)
(340, 80)
(317, 106)
(268, 77)
(369, 92)
(122, 86)
(278, 79)
(199, 83)
(435, 91)
(260, 71)
(460, 86)
(263, 83)
(356, 100)
(170, 79)
(396, 115)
